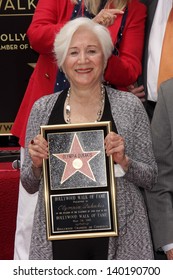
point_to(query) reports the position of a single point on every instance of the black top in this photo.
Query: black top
(57, 115)
(88, 248)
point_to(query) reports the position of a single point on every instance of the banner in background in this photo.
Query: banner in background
(16, 57)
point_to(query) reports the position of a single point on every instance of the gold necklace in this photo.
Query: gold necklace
(99, 113)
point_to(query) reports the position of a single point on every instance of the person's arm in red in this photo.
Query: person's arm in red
(49, 17)
(124, 69)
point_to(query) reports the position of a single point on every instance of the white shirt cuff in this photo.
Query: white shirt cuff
(167, 247)
(119, 171)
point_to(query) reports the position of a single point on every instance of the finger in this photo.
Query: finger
(106, 21)
(113, 146)
(38, 149)
(140, 88)
(115, 143)
(116, 151)
(114, 11)
(32, 142)
(40, 139)
(131, 87)
(140, 95)
(137, 89)
(38, 153)
(112, 136)
(109, 137)
(106, 17)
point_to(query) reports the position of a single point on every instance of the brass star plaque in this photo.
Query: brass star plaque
(80, 189)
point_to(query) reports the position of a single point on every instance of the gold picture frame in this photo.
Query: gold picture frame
(79, 182)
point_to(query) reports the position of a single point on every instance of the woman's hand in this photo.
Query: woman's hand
(38, 150)
(106, 17)
(169, 254)
(115, 146)
(138, 91)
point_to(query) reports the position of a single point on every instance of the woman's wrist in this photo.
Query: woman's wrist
(37, 171)
(125, 163)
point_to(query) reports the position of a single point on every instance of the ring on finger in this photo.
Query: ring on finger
(106, 19)
(32, 142)
(103, 20)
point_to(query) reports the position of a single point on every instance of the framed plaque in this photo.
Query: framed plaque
(80, 189)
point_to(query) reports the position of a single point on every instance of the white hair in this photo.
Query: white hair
(64, 37)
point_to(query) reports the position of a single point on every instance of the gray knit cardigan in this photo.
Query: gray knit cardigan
(134, 240)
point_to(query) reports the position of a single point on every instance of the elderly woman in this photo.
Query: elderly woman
(82, 49)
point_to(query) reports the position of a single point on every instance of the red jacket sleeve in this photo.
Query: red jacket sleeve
(49, 17)
(124, 69)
